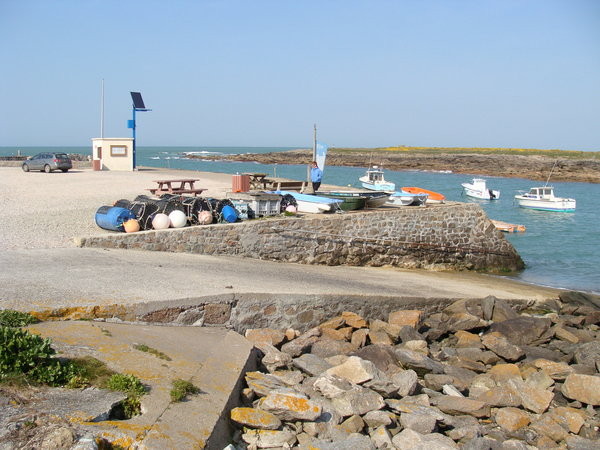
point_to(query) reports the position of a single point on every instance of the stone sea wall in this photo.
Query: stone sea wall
(453, 236)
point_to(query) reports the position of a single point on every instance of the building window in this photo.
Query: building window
(118, 150)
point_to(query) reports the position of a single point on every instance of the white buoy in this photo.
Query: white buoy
(178, 219)
(161, 222)
(291, 209)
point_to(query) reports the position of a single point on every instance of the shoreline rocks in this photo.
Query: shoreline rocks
(478, 374)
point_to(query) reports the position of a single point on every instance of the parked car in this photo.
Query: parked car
(48, 162)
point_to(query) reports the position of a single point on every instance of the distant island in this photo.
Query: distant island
(504, 162)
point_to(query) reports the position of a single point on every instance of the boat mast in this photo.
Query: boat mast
(551, 170)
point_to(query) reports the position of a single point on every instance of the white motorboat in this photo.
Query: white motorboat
(374, 180)
(403, 198)
(313, 203)
(543, 199)
(478, 189)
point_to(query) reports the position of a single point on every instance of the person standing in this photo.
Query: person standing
(316, 175)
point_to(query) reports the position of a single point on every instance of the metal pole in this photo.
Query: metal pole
(102, 112)
(315, 144)
(134, 138)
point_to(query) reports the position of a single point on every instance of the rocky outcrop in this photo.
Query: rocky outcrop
(532, 166)
(477, 374)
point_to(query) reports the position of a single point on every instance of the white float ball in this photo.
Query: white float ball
(178, 219)
(291, 209)
(161, 222)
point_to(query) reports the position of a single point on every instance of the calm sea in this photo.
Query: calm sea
(560, 249)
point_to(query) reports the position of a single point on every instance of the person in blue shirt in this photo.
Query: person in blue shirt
(316, 175)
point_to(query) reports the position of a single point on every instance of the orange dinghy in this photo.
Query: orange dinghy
(434, 197)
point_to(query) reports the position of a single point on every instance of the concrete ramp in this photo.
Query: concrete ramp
(213, 359)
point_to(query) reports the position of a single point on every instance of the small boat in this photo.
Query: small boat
(374, 180)
(312, 203)
(433, 197)
(351, 200)
(373, 199)
(508, 227)
(403, 198)
(478, 189)
(543, 199)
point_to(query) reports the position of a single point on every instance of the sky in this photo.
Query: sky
(372, 73)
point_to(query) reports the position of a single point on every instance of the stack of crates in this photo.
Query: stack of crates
(260, 204)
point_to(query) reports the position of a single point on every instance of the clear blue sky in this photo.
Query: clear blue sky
(497, 73)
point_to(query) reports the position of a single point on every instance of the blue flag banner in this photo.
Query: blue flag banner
(321, 154)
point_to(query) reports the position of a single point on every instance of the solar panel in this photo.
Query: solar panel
(138, 103)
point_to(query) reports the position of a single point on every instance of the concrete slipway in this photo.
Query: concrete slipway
(214, 359)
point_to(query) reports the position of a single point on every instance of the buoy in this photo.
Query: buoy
(178, 219)
(131, 226)
(161, 222)
(205, 218)
(229, 214)
(291, 209)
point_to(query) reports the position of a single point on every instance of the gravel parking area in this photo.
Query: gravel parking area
(41, 210)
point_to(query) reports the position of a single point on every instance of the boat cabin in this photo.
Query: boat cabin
(541, 192)
(375, 174)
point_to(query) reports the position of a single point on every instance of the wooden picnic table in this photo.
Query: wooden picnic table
(257, 180)
(177, 186)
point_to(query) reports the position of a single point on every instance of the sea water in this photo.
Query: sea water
(559, 249)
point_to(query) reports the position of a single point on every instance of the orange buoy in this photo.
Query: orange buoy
(131, 226)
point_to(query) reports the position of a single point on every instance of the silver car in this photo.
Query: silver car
(48, 162)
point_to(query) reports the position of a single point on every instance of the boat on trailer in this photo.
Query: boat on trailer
(543, 199)
(374, 180)
(477, 188)
(432, 197)
(312, 203)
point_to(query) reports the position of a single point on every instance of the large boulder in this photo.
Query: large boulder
(523, 330)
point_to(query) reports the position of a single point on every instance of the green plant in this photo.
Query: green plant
(182, 388)
(133, 387)
(130, 384)
(11, 318)
(153, 351)
(30, 355)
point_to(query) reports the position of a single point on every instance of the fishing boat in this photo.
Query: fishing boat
(312, 203)
(403, 198)
(351, 200)
(508, 227)
(374, 180)
(543, 199)
(477, 188)
(432, 197)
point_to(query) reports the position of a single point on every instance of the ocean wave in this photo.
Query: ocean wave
(203, 152)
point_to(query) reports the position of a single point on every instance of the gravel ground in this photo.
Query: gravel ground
(43, 210)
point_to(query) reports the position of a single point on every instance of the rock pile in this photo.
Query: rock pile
(478, 375)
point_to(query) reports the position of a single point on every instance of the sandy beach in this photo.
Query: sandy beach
(44, 213)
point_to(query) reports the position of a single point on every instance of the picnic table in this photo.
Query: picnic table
(257, 180)
(177, 186)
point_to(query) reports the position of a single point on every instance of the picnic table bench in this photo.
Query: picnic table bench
(277, 185)
(176, 186)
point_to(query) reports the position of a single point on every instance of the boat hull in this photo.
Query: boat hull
(408, 199)
(433, 197)
(556, 205)
(312, 203)
(349, 202)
